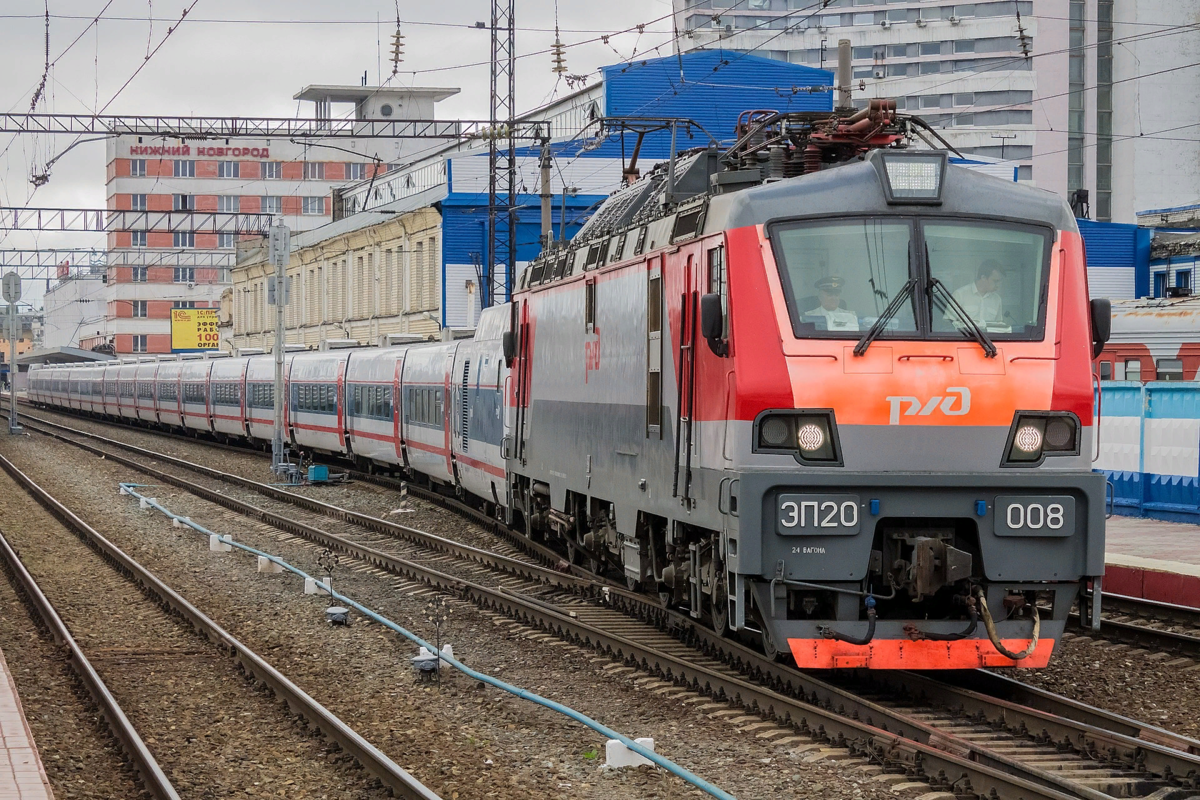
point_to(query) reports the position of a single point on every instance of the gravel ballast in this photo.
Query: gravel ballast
(80, 759)
(214, 733)
(460, 739)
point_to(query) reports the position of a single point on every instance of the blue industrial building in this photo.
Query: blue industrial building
(1118, 259)
(710, 87)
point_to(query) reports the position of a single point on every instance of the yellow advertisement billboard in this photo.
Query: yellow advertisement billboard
(194, 329)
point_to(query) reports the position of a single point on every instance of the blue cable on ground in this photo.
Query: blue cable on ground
(667, 764)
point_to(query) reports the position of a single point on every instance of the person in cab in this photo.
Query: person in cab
(831, 309)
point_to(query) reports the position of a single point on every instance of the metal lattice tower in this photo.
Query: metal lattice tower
(502, 162)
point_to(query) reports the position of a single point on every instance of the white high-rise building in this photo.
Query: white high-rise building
(1054, 87)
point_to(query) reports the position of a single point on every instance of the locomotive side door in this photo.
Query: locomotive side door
(654, 326)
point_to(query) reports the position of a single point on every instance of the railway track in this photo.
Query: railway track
(172, 667)
(987, 738)
(1147, 623)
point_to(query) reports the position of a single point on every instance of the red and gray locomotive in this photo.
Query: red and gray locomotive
(825, 391)
(822, 389)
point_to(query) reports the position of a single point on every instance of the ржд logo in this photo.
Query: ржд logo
(914, 408)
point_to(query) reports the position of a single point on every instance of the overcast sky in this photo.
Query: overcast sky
(248, 57)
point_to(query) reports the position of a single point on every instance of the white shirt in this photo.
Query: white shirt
(983, 308)
(837, 319)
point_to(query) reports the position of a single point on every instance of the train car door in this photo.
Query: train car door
(689, 303)
(398, 411)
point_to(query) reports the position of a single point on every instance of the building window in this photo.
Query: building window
(314, 205)
(184, 239)
(139, 308)
(226, 240)
(137, 202)
(185, 275)
(1076, 63)
(184, 202)
(140, 274)
(272, 170)
(228, 169)
(137, 238)
(356, 172)
(139, 343)
(272, 204)
(1104, 109)
(1160, 284)
(184, 169)
(184, 304)
(314, 170)
(137, 168)
(1183, 279)
(228, 203)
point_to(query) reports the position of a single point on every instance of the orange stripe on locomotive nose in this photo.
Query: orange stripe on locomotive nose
(923, 654)
(915, 383)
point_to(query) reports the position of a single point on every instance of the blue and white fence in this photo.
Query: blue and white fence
(1150, 448)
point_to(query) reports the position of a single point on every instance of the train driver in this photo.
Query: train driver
(981, 298)
(836, 317)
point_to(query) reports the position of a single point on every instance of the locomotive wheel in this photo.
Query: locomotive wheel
(770, 650)
(720, 609)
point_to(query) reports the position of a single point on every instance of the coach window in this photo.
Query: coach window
(1133, 369)
(1106, 370)
(1170, 369)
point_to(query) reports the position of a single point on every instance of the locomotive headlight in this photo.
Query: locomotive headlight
(810, 436)
(911, 176)
(1034, 436)
(774, 432)
(1028, 439)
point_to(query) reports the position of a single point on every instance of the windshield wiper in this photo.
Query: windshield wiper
(977, 333)
(877, 328)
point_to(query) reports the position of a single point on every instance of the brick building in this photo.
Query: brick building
(151, 271)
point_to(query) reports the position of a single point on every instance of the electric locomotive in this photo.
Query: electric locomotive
(824, 390)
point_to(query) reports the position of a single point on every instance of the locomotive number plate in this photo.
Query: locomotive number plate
(818, 515)
(1047, 515)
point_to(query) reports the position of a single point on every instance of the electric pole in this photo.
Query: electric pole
(280, 241)
(12, 293)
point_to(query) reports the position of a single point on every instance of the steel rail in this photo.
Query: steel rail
(1005, 688)
(922, 744)
(1167, 756)
(367, 755)
(1139, 634)
(148, 770)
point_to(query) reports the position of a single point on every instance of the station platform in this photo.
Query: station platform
(1153, 559)
(22, 776)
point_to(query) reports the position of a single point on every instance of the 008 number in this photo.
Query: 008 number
(1035, 516)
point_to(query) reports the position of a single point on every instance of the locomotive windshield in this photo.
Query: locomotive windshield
(840, 276)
